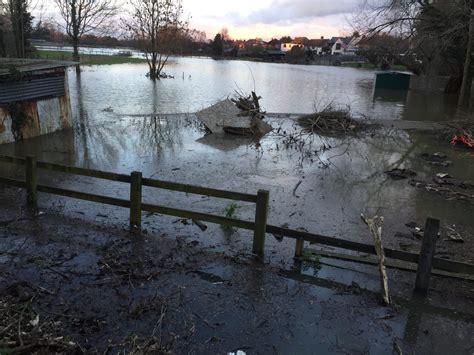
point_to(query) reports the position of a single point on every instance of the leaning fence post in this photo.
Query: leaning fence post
(299, 248)
(136, 199)
(31, 181)
(427, 253)
(260, 222)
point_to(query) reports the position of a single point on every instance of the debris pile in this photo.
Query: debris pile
(436, 159)
(462, 134)
(22, 328)
(330, 119)
(400, 174)
(241, 115)
(447, 186)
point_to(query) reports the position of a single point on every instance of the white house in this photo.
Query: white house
(338, 47)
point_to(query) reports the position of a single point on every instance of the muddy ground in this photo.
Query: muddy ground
(68, 285)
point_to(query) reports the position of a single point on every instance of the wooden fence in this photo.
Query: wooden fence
(259, 225)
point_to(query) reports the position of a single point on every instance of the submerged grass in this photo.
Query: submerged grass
(90, 59)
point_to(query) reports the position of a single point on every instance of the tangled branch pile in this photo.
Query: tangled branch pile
(249, 105)
(330, 119)
(22, 330)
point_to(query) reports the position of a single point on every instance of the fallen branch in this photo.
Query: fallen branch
(375, 227)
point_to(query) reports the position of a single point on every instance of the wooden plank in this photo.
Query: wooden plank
(136, 200)
(260, 223)
(12, 182)
(84, 172)
(12, 160)
(198, 190)
(428, 249)
(394, 264)
(440, 264)
(84, 196)
(31, 181)
(199, 216)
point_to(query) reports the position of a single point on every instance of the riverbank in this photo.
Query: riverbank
(90, 59)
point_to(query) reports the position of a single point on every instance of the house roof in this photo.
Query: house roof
(318, 42)
(30, 65)
(345, 40)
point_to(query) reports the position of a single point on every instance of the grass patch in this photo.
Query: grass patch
(90, 59)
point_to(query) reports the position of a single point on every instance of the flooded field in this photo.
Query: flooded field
(123, 123)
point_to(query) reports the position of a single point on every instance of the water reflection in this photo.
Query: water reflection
(124, 89)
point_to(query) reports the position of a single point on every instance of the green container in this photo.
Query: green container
(392, 80)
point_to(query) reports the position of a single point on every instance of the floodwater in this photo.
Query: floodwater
(285, 88)
(125, 122)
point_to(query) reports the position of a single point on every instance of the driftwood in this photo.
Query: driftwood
(240, 115)
(330, 119)
(249, 105)
(375, 227)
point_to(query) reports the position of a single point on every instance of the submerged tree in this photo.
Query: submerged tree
(85, 16)
(156, 24)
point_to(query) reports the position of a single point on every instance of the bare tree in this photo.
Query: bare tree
(468, 63)
(156, 24)
(85, 16)
(439, 32)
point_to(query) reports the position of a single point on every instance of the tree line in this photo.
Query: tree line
(431, 37)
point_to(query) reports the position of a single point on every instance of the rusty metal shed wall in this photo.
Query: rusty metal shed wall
(32, 89)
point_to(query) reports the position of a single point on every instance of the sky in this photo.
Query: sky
(265, 19)
(272, 18)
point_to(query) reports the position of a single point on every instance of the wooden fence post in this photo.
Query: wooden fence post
(427, 253)
(299, 248)
(260, 222)
(136, 200)
(31, 181)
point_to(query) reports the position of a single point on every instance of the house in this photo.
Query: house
(34, 98)
(317, 46)
(340, 45)
(286, 47)
(273, 44)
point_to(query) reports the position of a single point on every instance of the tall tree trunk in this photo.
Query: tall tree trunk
(75, 54)
(467, 74)
(3, 50)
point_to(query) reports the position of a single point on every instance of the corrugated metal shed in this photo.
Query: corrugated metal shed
(32, 89)
(31, 80)
(30, 65)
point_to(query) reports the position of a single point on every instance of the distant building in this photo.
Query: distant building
(341, 45)
(274, 44)
(286, 47)
(318, 45)
(34, 98)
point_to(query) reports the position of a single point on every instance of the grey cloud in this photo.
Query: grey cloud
(286, 11)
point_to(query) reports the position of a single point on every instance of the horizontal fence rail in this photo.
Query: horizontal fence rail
(259, 225)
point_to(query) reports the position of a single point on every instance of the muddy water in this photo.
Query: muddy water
(114, 131)
(284, 88)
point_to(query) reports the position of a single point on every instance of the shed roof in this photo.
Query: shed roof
(31, 65)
